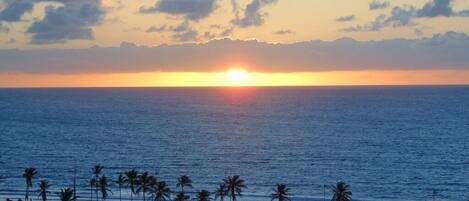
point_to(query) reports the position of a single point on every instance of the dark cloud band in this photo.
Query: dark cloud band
(442, 51)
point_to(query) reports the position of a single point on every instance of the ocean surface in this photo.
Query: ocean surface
(388, 143)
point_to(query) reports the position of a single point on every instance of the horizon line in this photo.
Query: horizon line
(243, 86)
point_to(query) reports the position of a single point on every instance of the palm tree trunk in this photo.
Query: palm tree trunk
(120, 193)
(26, 198)
(91, 193)
(233, 196)
(131, 197)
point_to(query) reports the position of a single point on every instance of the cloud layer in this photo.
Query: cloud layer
(189, 9)
(442, 51)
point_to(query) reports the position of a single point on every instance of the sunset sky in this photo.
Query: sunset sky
(70, 43)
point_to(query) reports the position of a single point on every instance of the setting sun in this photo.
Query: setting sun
(237, 76)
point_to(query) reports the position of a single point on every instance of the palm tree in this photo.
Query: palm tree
(103, 185)
(281, 193)
(93, 183)
(161, 192)
(132, 181)
(28, 175)
(341, 192)
(145, 182)
(203, 196)
(234, 185)
(121, 181)
(183, 181)
(221, 192)
(181, 197)
(66, 194)
(44, 189)
(97, 169)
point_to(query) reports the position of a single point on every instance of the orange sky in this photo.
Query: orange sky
(413, 77)
(192, 43)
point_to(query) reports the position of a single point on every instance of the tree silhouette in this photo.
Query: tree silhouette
(93, 183)
(160, 191)
(103, 185)
(121, 181)
(203, 196)
(234, 186)
(181, 197)
(28, 175)
(97, 169)
(132, 181)
(281, 193)
(221, 192)
(44, 189)
(341, 192)
(183, 181)
(66, 194)
(145, 181)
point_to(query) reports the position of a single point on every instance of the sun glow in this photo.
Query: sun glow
(237, 76)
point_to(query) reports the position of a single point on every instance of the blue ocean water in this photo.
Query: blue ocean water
(388, 143)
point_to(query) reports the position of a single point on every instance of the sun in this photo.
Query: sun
(237, 76)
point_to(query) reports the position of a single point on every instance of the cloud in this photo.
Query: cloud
(189, 9)
(71, 21)
(225, 33)
(436, 8)
(400, 16)
(183, 32)
(283, 32)
(376, 5)
(14, 9)
(11, 41)
(252, 13)
(347, 18)
(125, 44)
(405, 16)
(442, 51)
(4, 28)
(216, 26)
(161, 28)
(463, 13)
(188, 35)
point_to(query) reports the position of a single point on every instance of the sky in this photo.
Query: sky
(70, 43)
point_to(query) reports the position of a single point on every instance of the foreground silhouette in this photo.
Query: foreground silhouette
(281, 193)
(158, 190)
(44, 189)
(28, 175)
(341, 192)
(66, 194)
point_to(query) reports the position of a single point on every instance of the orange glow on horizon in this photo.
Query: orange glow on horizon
(237, 78)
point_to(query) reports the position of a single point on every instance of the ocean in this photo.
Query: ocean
(386, 142)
